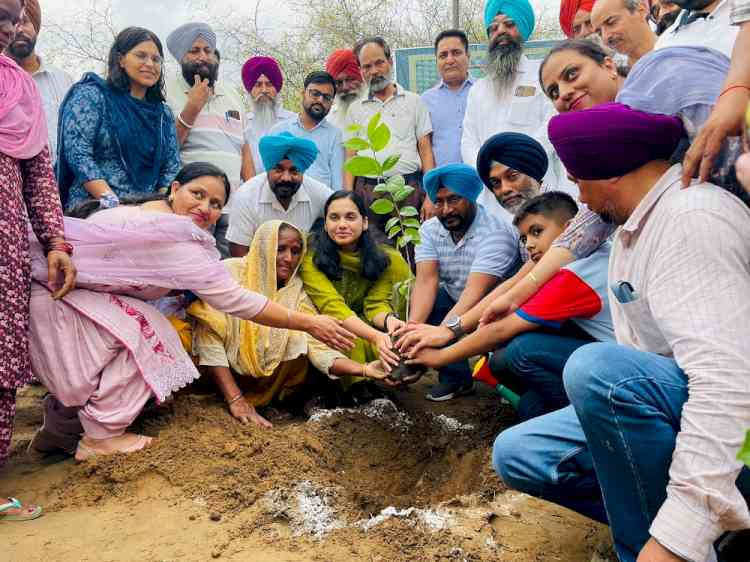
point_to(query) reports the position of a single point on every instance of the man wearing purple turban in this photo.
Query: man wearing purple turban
(650, 441)
(263, 79)
(209, 116)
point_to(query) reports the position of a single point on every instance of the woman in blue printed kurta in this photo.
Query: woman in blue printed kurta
(117, 137)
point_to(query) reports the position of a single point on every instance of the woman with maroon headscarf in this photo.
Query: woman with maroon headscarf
(29, 194)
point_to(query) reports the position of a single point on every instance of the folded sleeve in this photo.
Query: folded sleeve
(564, 297)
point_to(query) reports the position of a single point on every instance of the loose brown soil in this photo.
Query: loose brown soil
(305, 490)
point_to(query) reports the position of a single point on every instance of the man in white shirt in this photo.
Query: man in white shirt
(656, 420)
(53, 82)
(509, 97)
(284, 192)
(408, 119)
(702, 23)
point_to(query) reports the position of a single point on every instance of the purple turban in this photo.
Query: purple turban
(256, 66)
(612, 139)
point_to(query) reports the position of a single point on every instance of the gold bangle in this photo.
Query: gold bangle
(235, 399)
(288, 318)
(533, 277)
(364, 370)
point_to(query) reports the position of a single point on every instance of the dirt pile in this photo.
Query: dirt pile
(397, 480)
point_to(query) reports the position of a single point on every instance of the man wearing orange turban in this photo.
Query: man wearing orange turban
(575, 18)
(53, 83)
(344, 67)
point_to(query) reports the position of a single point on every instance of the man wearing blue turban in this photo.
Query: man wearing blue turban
(509, 98)
(283, 192)
(465, 252)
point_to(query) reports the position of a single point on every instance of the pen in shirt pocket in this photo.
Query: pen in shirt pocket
(624, 292)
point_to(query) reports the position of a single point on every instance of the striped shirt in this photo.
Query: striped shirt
(740, 11)
(490, 246)
(217, 134)
(686, 255)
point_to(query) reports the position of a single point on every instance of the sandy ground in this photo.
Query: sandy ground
(401, 480)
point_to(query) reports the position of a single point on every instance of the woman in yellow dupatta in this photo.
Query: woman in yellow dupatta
(272, 363)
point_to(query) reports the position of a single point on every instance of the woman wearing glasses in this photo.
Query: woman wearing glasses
(117, 136)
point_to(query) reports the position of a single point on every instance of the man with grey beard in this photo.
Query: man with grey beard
(508, 98)
(343, 65)
(263, 80)
(408, 119)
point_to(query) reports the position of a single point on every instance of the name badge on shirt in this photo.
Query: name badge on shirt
(232, 114)
(525, 91)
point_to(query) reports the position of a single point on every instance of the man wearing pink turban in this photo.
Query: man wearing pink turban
(53, 82)
(263, 80)
(343, 65)
(657, 419)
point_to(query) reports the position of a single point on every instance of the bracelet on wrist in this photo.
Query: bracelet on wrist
(182, 122)
(734, 87)
(235, 399)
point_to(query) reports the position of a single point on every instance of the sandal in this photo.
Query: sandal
(85, 452)
(13, 503)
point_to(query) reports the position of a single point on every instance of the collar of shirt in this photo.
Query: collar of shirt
(269, 198)
(478, 217)
(397, 93)
(42, 67)
(321, 125)
(639, 215)
(467, 83)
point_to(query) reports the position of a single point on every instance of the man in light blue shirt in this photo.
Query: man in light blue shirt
(465, 252)
(317, 99)
(447, 100)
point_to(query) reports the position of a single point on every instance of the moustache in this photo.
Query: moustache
(497, 43)
(286, 185)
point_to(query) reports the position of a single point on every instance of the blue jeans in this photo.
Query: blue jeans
(455, 373)
(629, 404)
(535, 362)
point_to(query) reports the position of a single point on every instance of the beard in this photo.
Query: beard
(21, 47)
(692, 5)
(514, 202)
(264, 110)
(379, 83)
(205, 70)
(503, 62)
(315, 111)
(666, 21)
(284, 189)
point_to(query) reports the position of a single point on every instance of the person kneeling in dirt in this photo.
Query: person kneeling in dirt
(465, 251)
(568, 312)
(352, 278)
(651, 439)
(272, 363)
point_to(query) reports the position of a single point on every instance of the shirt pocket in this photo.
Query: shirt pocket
(524, 111)
(642, 328)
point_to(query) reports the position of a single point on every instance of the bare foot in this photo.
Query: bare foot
(125, 443)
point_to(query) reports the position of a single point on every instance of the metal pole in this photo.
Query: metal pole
(456, 14)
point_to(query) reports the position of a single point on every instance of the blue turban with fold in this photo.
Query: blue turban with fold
(181, 40)
(461, 179)
(275, 148)
(520, 11)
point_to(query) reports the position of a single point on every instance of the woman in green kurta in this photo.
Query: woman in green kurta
(348, 276)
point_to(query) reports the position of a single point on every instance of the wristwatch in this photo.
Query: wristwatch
(454, 325)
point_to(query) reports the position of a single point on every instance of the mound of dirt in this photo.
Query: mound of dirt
(398, 479)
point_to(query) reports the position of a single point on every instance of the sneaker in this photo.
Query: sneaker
(448, 391)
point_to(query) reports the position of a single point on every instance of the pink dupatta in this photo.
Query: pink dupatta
(23, 128)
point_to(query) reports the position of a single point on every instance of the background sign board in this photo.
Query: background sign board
(416, 68)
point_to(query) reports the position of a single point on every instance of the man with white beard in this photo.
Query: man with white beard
(263, 80)
(508, 98)
(350, 86)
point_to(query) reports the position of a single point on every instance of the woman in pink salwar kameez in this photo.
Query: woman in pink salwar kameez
(103, 351)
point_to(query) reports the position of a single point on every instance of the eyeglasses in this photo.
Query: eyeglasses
(317, 94)
(145, 57)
